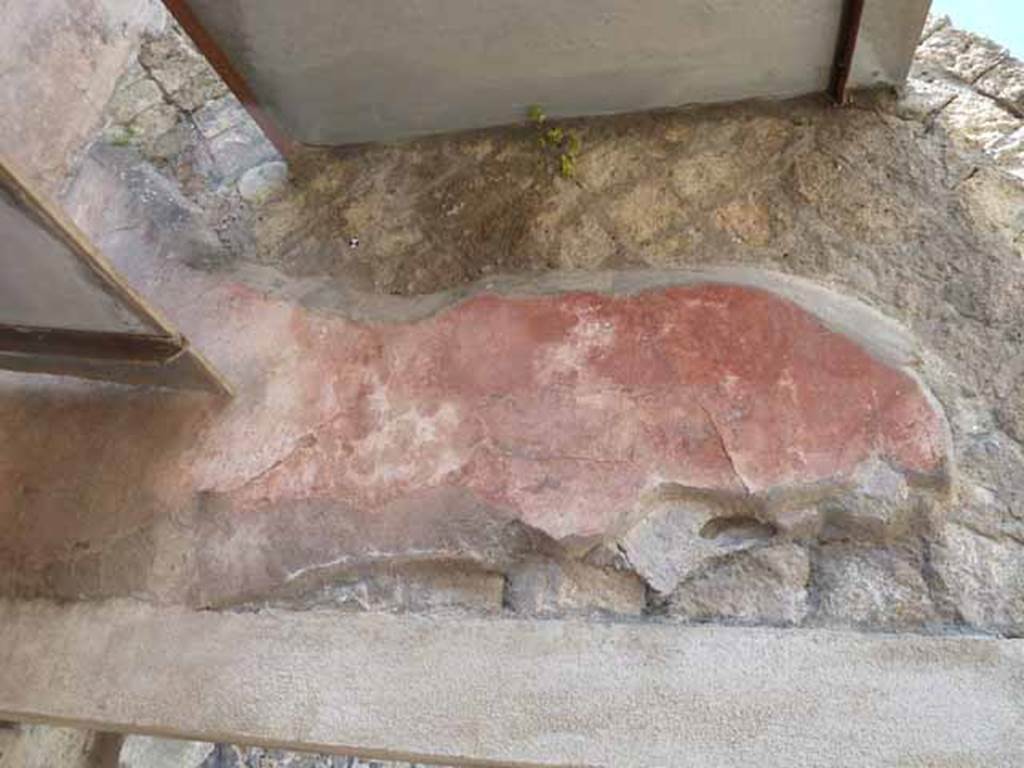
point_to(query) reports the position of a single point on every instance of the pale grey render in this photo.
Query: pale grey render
(46, 285)
(367, 71)
(513, 692)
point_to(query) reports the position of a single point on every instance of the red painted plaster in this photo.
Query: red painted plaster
(561, 410)
(565, 409)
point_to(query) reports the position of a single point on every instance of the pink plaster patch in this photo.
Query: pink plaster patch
(566, 409)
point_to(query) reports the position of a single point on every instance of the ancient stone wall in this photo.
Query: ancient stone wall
(890, 206)
(61, 62)
(456, 387)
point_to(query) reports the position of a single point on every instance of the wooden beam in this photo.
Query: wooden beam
(459, 690)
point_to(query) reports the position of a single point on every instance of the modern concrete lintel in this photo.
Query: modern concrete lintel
(372, 71)
(458, 690)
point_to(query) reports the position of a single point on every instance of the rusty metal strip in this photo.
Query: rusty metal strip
(846, 47)
(219, 60)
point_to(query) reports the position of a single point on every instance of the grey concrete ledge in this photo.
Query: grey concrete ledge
(882, 336)
(517, 693)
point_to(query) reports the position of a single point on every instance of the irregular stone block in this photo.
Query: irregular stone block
(993, 202)
(933, 24)
(159, 130)
(671, 542)
(870, 587)
(984, 577)
(41, 746)
(979, 122)
(1009, 154)
(763, 586)
(240, 148)
(132, 99)
(1006, 83)
(397, 587)
(150, 752)
(879, 506)
(181, 71)
(960, 53)
(991, 501)
(261, 184)
(545, 586)
(220, 115)
(231, 756)
(928, 91)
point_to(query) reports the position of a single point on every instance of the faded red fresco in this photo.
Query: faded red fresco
(565, 409)
(348, 440)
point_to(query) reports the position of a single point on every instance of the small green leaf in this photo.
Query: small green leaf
(536, 114)
(567, 166)
(574, 145)
(555, 136)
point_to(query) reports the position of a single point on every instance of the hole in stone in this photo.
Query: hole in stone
(739, 529)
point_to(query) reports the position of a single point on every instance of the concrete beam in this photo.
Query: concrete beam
(379, 71)
(509, 692)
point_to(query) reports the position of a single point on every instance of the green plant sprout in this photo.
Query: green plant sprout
(558, 144)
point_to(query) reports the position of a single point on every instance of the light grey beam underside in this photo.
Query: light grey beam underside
(460, 690)
(44, 283)
(371, 70)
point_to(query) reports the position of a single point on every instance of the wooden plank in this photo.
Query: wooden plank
(457, 690)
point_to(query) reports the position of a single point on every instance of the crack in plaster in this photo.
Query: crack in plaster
(725, 448)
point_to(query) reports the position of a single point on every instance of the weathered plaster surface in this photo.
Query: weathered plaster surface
(571, 413)
(565, 409)
(899, 225)
(59, 61)
(316, 292)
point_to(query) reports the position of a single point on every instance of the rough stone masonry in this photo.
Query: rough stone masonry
(758, 364)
